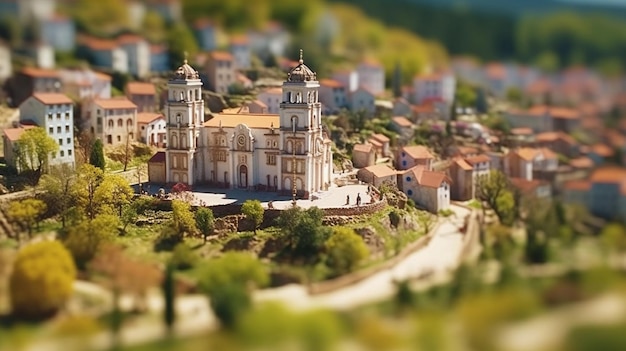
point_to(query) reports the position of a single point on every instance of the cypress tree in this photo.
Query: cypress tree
(97, 155)
(169, 314)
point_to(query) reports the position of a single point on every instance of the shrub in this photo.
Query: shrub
(42, 279)
(395, 217)
(184, 257)
(168, 238)
(345, 250)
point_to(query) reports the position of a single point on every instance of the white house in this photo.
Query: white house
(151, 128)
(349, 79)
(332, 96)
(6, 69)
(103, 53)
(271, 97)
(433, 87)
(378, 174)
(481, 165)
(138, 54)
(362, 100)
(86, 84)
(240, 49)
(114, 121)
(55, 113)
(371, 76)
(428, 189)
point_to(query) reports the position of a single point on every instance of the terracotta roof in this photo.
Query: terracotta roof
(525, 185)
(540, 86)
(417, 152)
(429, 76)
(140, 88)
(367, 148)
(495, 70)
(231, 120)
(466, 150)
(527, 153)
(609, 174)
(159, 157)
(581, 162)
(564, 113)
(602, 150)
(97, 43)
(147, 117)
(402, 121)
(462, 164)
(375, 142)
(102, 76)
(577, 185)
(53, 98)
(521, 131)
(554, 136)
(380, 137)
(40, 72)
(381, 170)
(331, 83)
(130, 39)
(240, 39)
(157, 49)
(202, 23)
(13, 134)
(370, 62)
(615, 138)
(272, 91)
(221, 56)
(423, 108)
(477, 159)
(430, 179)
(115, 103)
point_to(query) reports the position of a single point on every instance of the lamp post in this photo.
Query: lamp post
(293, 165)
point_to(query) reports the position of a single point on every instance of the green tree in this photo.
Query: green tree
(26, 212)
(182, 217)
(33, 150)
(253, 211)
(169, 298)
(345, 250)
(613, 237)
(100, 18)
(88, 179)
(57, 190)
(85, 238)
(465, 95)
(514, 95)
(183, 257)
(153, 27)
(494, 191)
(180, 41)
(205, 222)
(113, 192)
(129, 216)
(304, 232)
(96, 157)
(228, 280)
(42, 279)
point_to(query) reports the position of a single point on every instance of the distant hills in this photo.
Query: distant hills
(520, 7)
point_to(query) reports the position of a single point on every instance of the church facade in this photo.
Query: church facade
(288, 152)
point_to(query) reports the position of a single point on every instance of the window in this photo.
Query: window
(404, 163)
(408, 179)
(129, 123)
(62, 153)
(271, 159)
(67, 116)
(119, 138)
(69, 152)
(120, 123)
(59, 115)
(68, 141)
(111, 123)
(60, 141)
(50, 130)
(67, 129)
(59, 129)
(49, 116)
(409, 192)
(221, 156)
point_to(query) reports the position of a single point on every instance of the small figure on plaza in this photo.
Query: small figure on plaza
(358, 199)
(347, 199)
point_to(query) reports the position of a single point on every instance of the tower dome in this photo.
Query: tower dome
(301, 72)
(186, 72)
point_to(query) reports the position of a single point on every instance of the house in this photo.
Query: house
(410, 156)
(535, 188)
(272, 40)
(55, 113)
(240, 49)
(9, 138)
(537, 119)
(526, 162)
(377, 175)
(159, 58)
(462, 180)
(151, 129)
(332, 96)
(480, 169)
(243, 81)
(271, 97)
(156, 168)
(435, 86)
(381, 144)
(84, 84)
(143, 95)
(403, 127)
(6, 68)
(138, 54)
(257, 107)
(103, 53)
(114, 121)
(349, 79)
(41, 53)
(371, 76)
(600, 153)
(559, 142)
(30, 80)
(428, 189)
(220, 70)
(206, 34)
(59, 32)
(363, 155)
(362, 101)
(604, 193)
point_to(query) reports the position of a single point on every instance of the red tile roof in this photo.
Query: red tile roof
(554, 136)
(418, 152)
(40, 72)
(577, 185)
(381, 170)
(221, 56)
(129, 39)
(97, 43)
(527, 186)
(380, 137)
(148, 117)
(521, 131)
(430, 179)
(402, 121)
(331, 83)
(240, 39)
(13, 134)
(495, 70)
(581, 162)
(53, 98)
(115, 103)
(609, 174)
(462, 164)
(367, 148)
(602, 150)
(477, 159)
(140, 88)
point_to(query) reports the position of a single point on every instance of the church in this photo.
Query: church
(289, 153)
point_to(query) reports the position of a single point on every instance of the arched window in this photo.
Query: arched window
(299, 148)
(111, 123)
(120, 123)
(294, 123)
(129, 123)
(289, 146)
(183, 141)
(174, 140)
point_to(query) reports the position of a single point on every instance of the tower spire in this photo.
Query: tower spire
(301, 59)
(186, 55)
